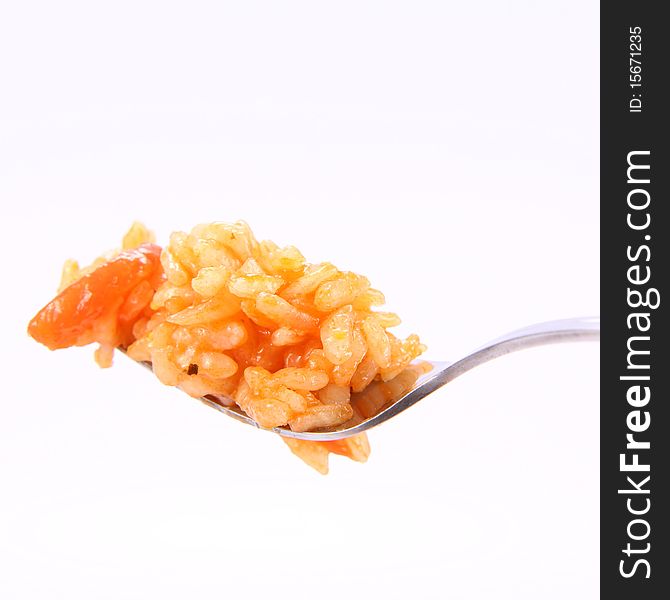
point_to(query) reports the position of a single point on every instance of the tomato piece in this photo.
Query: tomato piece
(355, 447)
(79, 313)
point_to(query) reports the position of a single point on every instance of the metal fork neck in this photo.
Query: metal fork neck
(550, 332)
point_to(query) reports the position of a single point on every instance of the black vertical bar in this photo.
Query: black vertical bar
(635, 549)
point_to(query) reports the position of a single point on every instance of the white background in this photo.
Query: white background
(447, 150)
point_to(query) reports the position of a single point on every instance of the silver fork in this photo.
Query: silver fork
(550, 332)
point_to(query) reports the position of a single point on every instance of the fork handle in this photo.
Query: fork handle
(551, 332)
(539, 334)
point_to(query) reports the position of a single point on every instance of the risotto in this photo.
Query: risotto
(218, 313)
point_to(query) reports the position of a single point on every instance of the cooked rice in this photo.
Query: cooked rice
(293, 344)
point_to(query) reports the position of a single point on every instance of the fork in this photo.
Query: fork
(550, 332)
